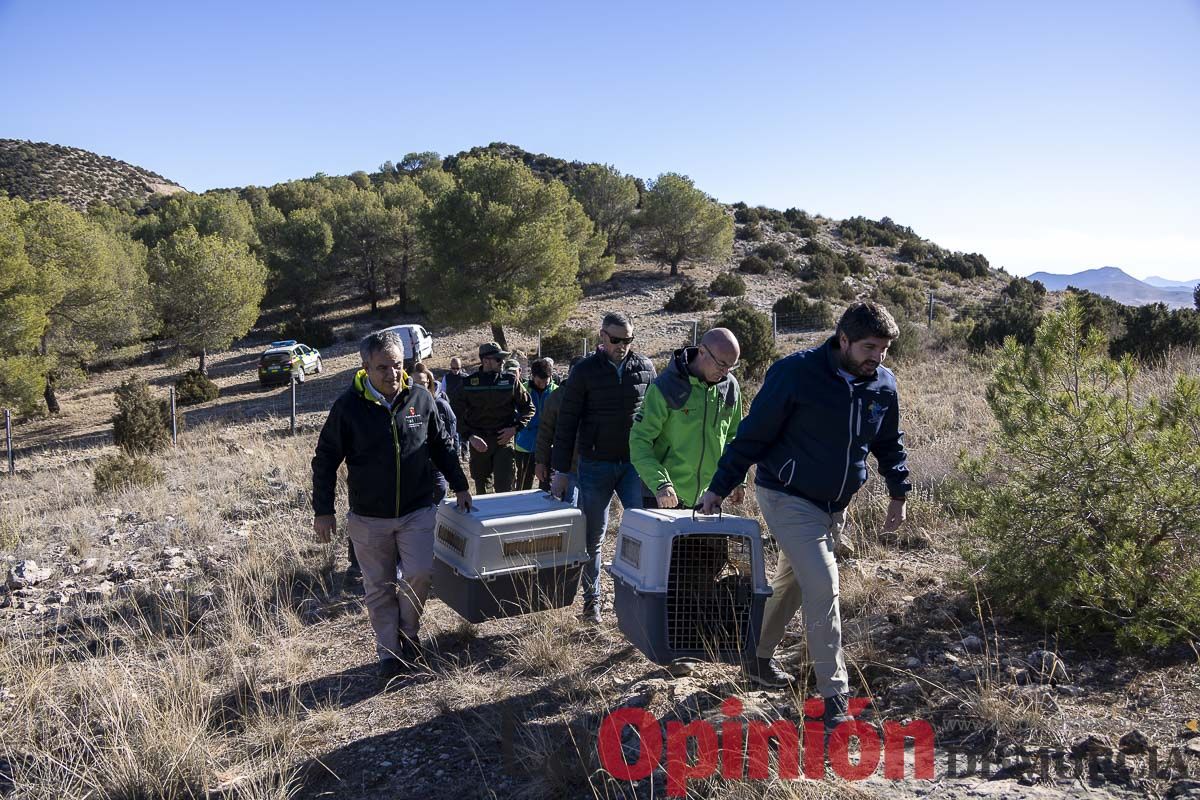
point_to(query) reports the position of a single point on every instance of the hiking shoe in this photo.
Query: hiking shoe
(388, 670)
(353, 573)
(410, 651)
(591, 612)
(766, 672)
(837, 711)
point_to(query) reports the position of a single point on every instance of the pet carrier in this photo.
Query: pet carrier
(689, 586)
(515, 552)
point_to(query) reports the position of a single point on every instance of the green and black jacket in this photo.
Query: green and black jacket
(388, 452)
(488, 402)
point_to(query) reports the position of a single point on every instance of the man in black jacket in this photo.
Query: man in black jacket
(599, 403)
(387, 433)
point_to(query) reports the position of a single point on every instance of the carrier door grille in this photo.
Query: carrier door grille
(534, 545)
(710, 593)
(452, 539)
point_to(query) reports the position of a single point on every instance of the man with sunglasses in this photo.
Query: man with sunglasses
(491, 406)
(599, 403)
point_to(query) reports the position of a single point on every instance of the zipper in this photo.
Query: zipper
(849, 444)
(858, 417)
(703, 442)
(396, 444)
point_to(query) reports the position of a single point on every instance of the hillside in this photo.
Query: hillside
(1115, 283)
(41, 171)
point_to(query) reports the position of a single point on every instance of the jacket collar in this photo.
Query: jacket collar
(676, 380)
(363, 388)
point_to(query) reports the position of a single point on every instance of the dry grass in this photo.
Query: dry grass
(162, 694)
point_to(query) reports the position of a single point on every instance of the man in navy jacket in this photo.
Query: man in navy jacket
(818, 414)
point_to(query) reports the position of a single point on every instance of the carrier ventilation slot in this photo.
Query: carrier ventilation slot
(631, 550)
(710, 593)
(452, 539)
(535, 545)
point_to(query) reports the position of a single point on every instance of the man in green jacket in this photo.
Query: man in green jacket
(690, 411)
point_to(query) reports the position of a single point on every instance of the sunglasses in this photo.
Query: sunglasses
(719, 362)
(618, 339)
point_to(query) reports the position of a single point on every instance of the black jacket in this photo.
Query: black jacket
(598, 409)
(387, 453)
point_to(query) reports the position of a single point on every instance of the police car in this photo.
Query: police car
(286, 359)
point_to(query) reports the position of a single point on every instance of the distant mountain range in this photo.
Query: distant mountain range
(1124, 288)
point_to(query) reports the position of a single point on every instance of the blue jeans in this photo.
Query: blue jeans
(597, 482)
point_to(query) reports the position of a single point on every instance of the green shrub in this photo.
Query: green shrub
(1151, 330)
(753, 265)
(745, 216)
(753, 331)
(812, 247)
(914, 251)
(801, 222)
(749, 233)
(868, 232)
(796, 312)
(772, 251)
(1086, 508)
(195, 387)
(964, 265)
(689, 297)
(567, 342)
(120, 471)
(1017, 312)
(855, 263)
(828, 287)
(912, 343)
(142, 423)
(902, 298)
(824, 264)
(312, 332)
(728, 284)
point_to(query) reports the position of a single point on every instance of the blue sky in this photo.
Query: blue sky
(1058, 136)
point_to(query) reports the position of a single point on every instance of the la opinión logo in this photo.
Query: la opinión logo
(740, 750)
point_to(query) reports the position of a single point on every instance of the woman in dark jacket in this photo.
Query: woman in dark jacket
(422, 376)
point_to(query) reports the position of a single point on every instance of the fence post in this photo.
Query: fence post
(774, 327)
(8, 440)
(931, 308)
(539, 342)
(294, 382)
(584, 353)
(695, 331)
(174, 425)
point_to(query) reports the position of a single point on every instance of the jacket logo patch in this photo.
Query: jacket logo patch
(875, 413)
(474, 381)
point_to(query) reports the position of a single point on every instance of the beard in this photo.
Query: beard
(861, 369)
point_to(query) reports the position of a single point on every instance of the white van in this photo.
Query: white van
(418, 344)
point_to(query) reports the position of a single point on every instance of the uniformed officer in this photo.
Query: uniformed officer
(491, 406)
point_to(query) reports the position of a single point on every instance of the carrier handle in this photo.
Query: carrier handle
(696, 508)
(509, 571)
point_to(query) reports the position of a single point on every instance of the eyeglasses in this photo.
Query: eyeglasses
(719, 362)
(618, 339)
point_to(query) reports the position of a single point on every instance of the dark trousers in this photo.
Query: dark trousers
(495, 469)
(525, 477)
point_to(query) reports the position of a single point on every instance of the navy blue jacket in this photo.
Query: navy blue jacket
(810, 431)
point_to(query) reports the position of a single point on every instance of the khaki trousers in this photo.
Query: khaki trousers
(381, 545)
(806, 577)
